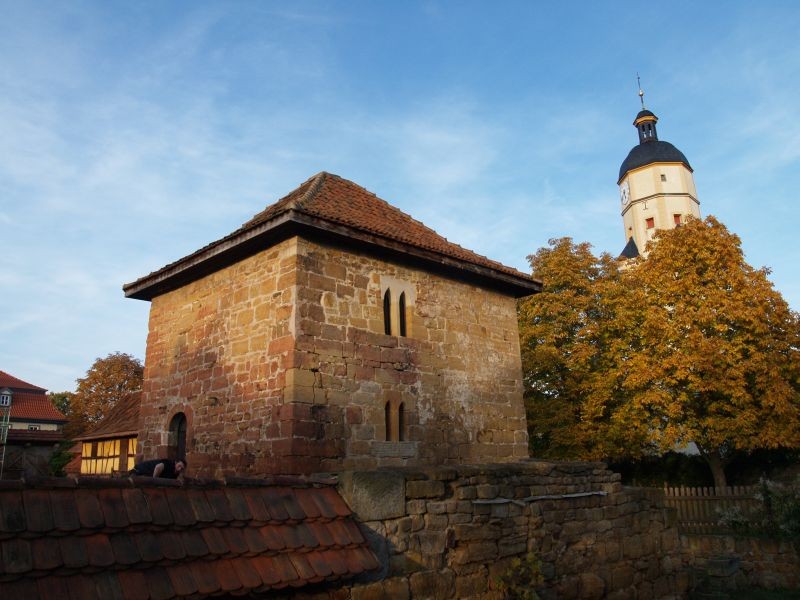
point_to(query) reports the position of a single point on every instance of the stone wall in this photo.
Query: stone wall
(749, 561)
(214, 351)
(457, 373)
(450, 532)
(281, 364)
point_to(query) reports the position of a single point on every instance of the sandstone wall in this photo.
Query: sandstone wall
(457, 373)
(281, 364)
(214, 351)
(449, 532)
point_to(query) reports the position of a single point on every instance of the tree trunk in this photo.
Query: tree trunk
(717, 465)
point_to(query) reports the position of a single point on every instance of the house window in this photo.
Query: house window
(676, 219)
(5, 397)
(33, 427)
(651, 222)
(387, 313)
(176, 447)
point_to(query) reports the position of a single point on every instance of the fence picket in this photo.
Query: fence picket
(699, 508)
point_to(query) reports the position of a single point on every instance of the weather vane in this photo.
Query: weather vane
(641, 91)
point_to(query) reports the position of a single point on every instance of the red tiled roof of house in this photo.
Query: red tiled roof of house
(122, 420)
(337, 206)
(9, 381)
(35, 407)
(148, 538)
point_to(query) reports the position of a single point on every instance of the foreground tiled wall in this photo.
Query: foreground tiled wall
(449, 532)
(281, 365)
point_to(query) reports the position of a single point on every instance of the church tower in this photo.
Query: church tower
(656, 186)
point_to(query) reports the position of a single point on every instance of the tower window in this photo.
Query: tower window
(663, 177)
(176, 448)
(387, 417)
(650, 222)
(387, 313)
(676, 218)
(402, 310)
(401, 422)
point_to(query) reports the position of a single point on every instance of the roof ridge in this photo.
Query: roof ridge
(405, 214)
(311, 193)
(15, 381)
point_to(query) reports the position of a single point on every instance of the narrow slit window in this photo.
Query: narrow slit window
(387, 313)
(401, 421)
(402, 310)
(663, 177)
(387, 415)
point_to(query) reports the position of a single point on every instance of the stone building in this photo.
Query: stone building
(332, 331)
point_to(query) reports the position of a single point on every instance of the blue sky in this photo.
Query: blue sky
(133, 133)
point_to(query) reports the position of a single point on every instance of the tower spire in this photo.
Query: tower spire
(641, 91)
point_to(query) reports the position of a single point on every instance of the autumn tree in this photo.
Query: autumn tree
(719, 359)
(572, 339)
(106, 381)
(62, 401)
(689, 345)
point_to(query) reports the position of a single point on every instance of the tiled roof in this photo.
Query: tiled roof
(122, 420)
(35, 406)
(12, 382)
(144, 538)
(336, 205)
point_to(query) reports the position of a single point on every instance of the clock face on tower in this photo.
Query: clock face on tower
(624, 193)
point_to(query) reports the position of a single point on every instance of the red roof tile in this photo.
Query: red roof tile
(331, 204)
(9, 381)
(121, 421)
(133, 538)
(34, 406)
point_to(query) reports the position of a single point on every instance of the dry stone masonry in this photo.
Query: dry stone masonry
(450, 532)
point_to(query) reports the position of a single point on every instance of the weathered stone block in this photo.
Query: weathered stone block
(434, 585)
(374, 495)
(424, 489)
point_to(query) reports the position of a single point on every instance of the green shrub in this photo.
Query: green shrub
(778, 515)
(519, 580)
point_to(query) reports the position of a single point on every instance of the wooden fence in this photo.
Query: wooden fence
(699, 508)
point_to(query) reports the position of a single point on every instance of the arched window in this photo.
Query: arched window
(177, 437)
(402, 307)
(388, 419)
(387, 313)
(401, 420)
